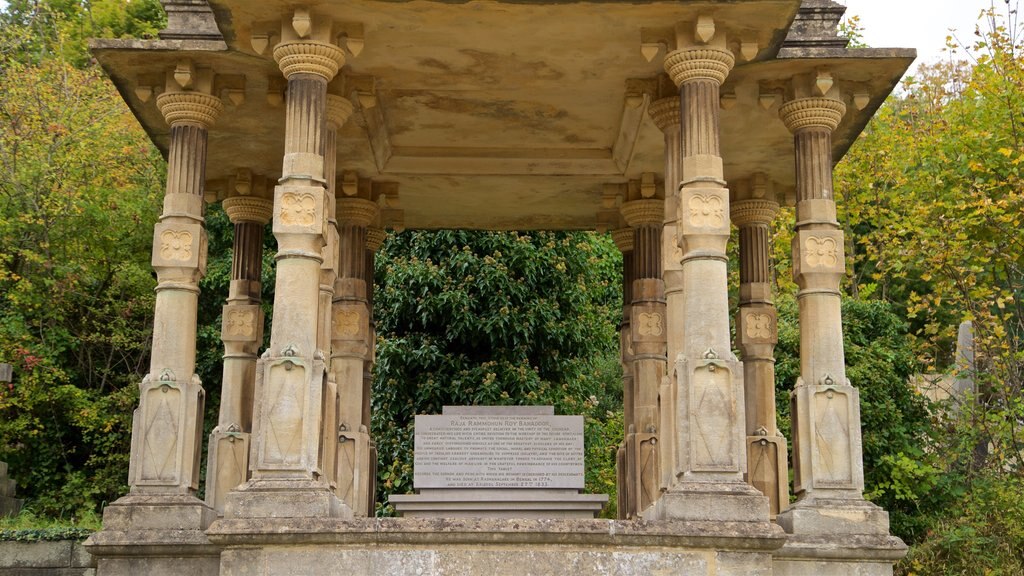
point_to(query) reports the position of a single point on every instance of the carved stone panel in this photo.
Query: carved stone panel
(349, 322)
(162, 410)
(284, 405)
(704, 211)
(229, 466)
(648, 323)
(833, 454)
(242, 323)
(758, 325)
(818, 251)
(179, 245)
(299, 210)
(713, 418)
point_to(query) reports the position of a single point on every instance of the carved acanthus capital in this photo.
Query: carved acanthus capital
(194, 108)
(623, 238)
(339, 110)
(753, 212)
(644, 212)
(357, 211)
(665, 113)
(309, 57)
(699, 63)
(248, 209)
(812, 113)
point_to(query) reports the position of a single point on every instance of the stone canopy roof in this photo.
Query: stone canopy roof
(507, 114)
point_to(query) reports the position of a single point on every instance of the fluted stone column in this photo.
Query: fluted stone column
(648, 336)
(338, 110)
(665, 113)
(756, 337)
(242, 334)
(709, 485)
(351, 351)
(625, 476)
(167, 427)
(288, 478)
(827, 450)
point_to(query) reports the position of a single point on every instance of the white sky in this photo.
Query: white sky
(921, 24)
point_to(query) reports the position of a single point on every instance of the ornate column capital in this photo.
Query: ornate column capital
(339, 110)
(753, 211)
(195, 108)
(818, 112)
(665, 113)
(623, 238)
(375, 238)
(357, 211)
(644, 212)
(309, 57)
(248, 209)
(691, 64)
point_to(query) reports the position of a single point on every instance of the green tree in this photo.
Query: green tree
(481, 318)
(79, 180)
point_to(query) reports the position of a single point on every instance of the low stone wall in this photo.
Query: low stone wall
(58, 558)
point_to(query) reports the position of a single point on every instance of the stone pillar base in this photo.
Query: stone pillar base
(268, 498)
(710, 502)
(838, 555)
(835, 517)
(156, 535)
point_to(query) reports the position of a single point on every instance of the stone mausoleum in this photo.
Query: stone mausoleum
(665, 123)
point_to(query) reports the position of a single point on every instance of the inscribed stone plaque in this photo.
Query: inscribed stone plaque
(498, 451)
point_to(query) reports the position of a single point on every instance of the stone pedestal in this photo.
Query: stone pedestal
(156, 535)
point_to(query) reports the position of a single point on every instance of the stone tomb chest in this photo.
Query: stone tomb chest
(498, 462)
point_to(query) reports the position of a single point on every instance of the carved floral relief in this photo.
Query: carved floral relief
(176, 245)
(650, 324)
(821, 252)
(298, 209)
(346, 322)
(241, 323)
(707, 211)
(759, 326)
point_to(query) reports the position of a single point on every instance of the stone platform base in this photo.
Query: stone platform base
(454, 547)
(839, 555)
(498, 503)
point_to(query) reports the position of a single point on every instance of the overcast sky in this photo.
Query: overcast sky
(921, 24)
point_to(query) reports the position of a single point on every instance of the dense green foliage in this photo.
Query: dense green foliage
(80, 187)
(479, 318)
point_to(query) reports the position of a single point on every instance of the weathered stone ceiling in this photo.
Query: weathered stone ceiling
(503, 115)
